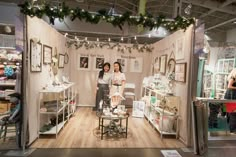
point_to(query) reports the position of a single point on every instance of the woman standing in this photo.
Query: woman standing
(118, 83)
(103, 82)
(231, 94)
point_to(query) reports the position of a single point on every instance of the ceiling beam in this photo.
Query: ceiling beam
(141, 10)
(197, 3)
(133, 4)
(155, 6)
(177, 8)
(221, 24)
(215, 9)
(117, 4)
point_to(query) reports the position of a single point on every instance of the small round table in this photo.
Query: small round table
(115, 124)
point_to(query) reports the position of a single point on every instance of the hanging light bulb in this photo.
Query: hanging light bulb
(97, 39)
(135, 38)
(149, 35)
(187, 10)
(85, 38)
(122, 39)
(109, 39)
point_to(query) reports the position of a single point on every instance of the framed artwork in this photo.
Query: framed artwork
(66, 59)
(35, 56)
(123, 63)
(156, 65)
(47, 54)
(61, 61)
(136, 65)
(163, 64)
(83, 62)
(99, 61)
(179, 52)
(171, 65)
(180, 72)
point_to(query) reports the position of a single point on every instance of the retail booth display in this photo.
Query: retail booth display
(62, 77)
(66, 78)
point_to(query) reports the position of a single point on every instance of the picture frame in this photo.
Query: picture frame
(163, 59)
(84, 62)
(156, 65)
(66, 59)
(35, 56)
(180, 72)
(136, 65)
(61, 61)
(179, 52)
(171, 65)
(47, 54)
(99, 61)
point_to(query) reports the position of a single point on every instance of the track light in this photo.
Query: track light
(187, 10)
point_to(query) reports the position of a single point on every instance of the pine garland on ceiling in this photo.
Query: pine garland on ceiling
(63, 11)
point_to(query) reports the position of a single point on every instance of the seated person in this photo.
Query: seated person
(13, 114)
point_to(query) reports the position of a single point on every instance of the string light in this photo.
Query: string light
(109, 39)
(135, 38)
(122, 39)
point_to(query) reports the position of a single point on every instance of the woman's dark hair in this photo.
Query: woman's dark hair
(120, 68)
(101, 73)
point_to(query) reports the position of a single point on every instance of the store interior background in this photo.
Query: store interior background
(85, 83)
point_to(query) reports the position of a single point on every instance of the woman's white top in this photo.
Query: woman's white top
(106, 78)
(117, 78)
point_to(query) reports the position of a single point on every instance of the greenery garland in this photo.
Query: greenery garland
(120, 47)
(63, 11)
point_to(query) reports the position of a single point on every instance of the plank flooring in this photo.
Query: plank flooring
(82, 132)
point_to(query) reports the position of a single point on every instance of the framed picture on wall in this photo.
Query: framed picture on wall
(99, 61)
(136, 65)
(83, 62)
(47, 54)
(35, 56)
(180, 72)
(123, 63)
(61, 61)
(163, 64)
(156, 65)
(179, 52)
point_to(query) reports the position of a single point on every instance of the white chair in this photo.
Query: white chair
(129, 90)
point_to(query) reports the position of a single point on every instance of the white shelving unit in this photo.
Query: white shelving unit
(65, 98)
(155, 113)
(224, 67)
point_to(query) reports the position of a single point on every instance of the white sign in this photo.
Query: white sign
(138, 109)
(170, 153)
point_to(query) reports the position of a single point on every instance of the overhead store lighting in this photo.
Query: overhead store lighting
(187, 10)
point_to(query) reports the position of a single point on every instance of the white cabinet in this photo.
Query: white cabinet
(223, 68)
(162, 116)
(56, 106)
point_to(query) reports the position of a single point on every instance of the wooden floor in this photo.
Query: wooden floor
(82, 132)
